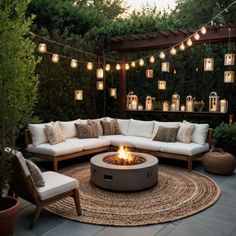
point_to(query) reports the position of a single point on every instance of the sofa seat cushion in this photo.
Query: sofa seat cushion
(145, 143)
(117, 140)
(56, 184)
(188, 149)
(92, 143)
(69, 146)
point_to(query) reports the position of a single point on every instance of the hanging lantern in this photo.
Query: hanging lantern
(141, 62)
(79, 95)
(133, 64)
(229, 76)
(161, 84)
(229, 59)
(118, 67)
(74, 63)
(132, 101)
(107, 67)
(165, 67)
(42, 48)
(113, 92)
(149, 73)
(213, 102)
(55, 58)
(99, 85)
(165, 106)
(99, 73)
(189, 42)
(223, 106)
(89, 65)
(189, 104)
(148, 103)
(208, 64)
(182, 47)
(162, 55)
(127, 66)
(152, 59)
(175, 101)
(173, 51)
(203, 30)
(196, 36)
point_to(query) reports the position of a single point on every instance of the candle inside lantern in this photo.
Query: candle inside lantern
(99, 85)
(165, 106)
(165, 67)
(79, 95)
(99, 73)
(223, 105)
(182, 108)
(113, 92)
(149, 73)
(133, 105)
(140, 107)
(161, 84)
(173, 107)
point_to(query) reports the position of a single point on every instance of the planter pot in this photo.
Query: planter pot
(8, 215)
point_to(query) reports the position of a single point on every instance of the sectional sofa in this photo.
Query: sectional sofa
(136, 134)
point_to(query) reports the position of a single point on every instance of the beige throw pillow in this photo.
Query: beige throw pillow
(185, 133)
(54, 133)
(99, 127)
(35, 173)
(165, 134)
(110, 127)
(85, 131)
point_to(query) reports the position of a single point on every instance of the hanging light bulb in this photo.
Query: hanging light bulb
(74, 63)
(152, 59)
(173, 51)
(174, 72)
(182, 47)
(55, 58)
(99, 73)
(203, 30)
(107, 67)
(189, 42)
(127, 66)
(118, 67)
(133, 64)
(89, 65)
(42, 48)
(162, 55)
(141, 62)
(196, 36)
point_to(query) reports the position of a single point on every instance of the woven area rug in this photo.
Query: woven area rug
(179, 193)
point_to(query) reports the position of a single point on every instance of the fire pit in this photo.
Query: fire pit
(124, 170)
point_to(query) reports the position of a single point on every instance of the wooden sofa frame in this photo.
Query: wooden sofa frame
(56, 159)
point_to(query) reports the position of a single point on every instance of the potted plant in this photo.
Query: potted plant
(18, 90)
(225, 135)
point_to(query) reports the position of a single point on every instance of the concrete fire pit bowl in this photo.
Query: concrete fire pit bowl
(124, 177)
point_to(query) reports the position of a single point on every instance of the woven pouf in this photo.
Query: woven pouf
(219, 162)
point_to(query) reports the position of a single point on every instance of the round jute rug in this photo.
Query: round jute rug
(179, 193)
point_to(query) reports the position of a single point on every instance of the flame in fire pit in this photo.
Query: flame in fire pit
(125, 154)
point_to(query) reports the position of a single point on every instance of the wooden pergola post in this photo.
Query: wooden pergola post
(123, 91)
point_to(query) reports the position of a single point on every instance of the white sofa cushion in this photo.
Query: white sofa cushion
(56, 184)
(69, 146)
(145, 143)
(117, 140)
(157, 124)
(38, 134)
(200, 132)
(140, 128)
(68, 128)
(91, 143)
(123, 125)
(188, 149)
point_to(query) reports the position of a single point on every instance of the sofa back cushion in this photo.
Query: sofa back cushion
(185, 133)
(140, 128)
(68, 128)
(200, 132)
(123, 125)
(166, 134)
(157, 124)
(38, 134)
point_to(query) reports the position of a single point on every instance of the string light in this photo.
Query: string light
(203, 30)
(182, 47)
(173, 51)
(89, 65)
(107, 67)
(152, 59)
(127, 66)
(118, 67)
(42, 48)
(74, 63)
(133, 64)
(55, 58)
(141, 62)
(196, 36)
(162, 55)
(189, 42)
(99, 73)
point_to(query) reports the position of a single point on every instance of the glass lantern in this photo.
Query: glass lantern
(223, 105)
(229, 76)
(149, 73)
(165, 67)
(148, 103)
(79, 95)
(132, 101)
(213, 102)
(89, 66)
(189, 104)
(229, 59)
(113, 92)
(99, 85)
(175, 101)
(99, 73)
(165, 106)
(161, 84)
(208, 64)
(74, 63)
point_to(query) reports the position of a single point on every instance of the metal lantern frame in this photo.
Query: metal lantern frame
(213, 102)
(229, 76)
(132, 101)
(79, 95)
(209, 64)
(229, 59)
(165, 66)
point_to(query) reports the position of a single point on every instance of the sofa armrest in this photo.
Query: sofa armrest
(209, 137)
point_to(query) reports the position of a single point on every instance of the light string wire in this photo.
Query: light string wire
(136, 60)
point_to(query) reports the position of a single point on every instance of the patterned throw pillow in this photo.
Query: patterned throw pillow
(35, 173)
(110, 127)
(165, 134)
(99, 127)
(85, 131)
(185, 133)
(54, 133)
(95, 128)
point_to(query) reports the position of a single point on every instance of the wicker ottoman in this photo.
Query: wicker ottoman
(219, 162)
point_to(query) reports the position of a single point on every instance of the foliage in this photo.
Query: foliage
(18, 83)
(225, 134)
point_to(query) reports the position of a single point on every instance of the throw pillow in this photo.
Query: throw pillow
(54, 133)
(99, 126)
(185, 133)
(95, 128)
(110, 128)
(35, 173)
(165, 134)
(85, 131)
